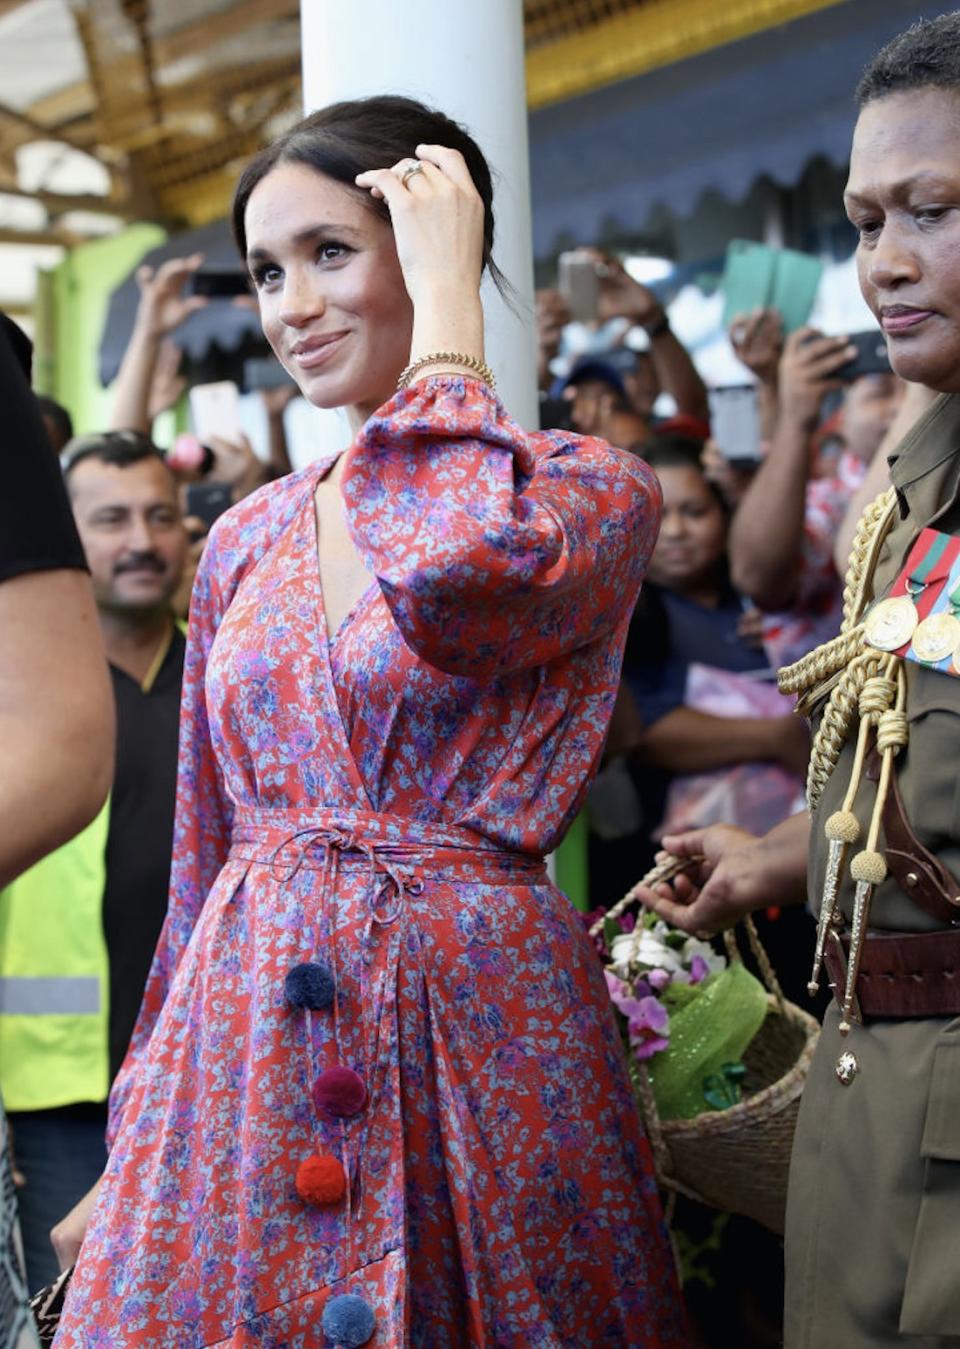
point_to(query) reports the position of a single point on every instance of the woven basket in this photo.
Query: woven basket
(736, 1159)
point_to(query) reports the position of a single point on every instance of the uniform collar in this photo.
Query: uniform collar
(925, 470)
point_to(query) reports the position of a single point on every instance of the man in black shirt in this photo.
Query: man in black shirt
(57, 734)
(81, 927)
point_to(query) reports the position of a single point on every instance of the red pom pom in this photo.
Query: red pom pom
(320, 1180)
(340, 1092)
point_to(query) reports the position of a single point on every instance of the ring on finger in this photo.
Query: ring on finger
(411, 171)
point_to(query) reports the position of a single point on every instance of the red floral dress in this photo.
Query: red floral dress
(376, 1093)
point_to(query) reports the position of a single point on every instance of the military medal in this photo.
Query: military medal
(891, 623)
(937, 637)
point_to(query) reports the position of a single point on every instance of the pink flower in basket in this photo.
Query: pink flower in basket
(648, 1022)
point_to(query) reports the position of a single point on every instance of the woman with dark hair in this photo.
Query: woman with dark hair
(874, 1215)
(705, 705)
(376, 1094)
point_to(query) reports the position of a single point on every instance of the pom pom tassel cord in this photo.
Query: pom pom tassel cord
(869, 868)
(843, 828)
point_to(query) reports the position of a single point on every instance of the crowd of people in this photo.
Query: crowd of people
(298, 1043)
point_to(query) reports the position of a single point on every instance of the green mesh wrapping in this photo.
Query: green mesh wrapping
(707, 1030)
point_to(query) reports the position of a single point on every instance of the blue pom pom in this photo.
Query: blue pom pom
(348, 1321)
(310, 985)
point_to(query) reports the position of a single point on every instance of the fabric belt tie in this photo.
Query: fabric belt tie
(902, 974)
(402, 853)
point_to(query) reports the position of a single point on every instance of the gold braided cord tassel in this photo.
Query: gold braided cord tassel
(838, 717)
(869, 868)
(843, 828)
(818, 665)
(871, 531)
(826, 660)
(860, 681)
(842, 666)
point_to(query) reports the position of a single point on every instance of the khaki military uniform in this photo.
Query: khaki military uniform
(873, 1221)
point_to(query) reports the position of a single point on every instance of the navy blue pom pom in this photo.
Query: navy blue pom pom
(348, 1321)
(310, 986)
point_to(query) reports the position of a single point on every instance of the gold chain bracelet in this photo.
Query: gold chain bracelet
(473, 363)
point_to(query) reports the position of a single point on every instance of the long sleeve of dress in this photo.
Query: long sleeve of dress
(202, 822)
(496, 549)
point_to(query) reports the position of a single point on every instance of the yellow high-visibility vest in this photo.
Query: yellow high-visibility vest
(55, 978)
(55, 973)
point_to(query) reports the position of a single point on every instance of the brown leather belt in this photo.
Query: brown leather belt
(902, 974)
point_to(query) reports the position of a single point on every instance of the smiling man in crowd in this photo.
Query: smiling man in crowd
(79, 929)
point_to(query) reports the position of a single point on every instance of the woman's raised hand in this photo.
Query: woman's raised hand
(437, 216)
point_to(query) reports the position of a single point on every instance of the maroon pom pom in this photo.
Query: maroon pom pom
(340, 1092)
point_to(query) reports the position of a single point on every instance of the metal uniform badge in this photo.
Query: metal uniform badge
(920, 618)
(891, 623)
(936, 638)
(847, 1067)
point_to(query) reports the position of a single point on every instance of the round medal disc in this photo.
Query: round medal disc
(891, 623)
(936, 637)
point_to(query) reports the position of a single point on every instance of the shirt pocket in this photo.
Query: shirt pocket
(931, 1295)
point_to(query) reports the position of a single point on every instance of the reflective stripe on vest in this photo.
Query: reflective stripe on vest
(46, 995)
(54, 978)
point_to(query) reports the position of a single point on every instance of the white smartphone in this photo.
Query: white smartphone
(579, 283)
(735, 423)
(215, 411)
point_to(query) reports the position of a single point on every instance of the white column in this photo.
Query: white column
(467, 61)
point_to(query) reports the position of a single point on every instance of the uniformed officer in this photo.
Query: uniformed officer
(873, 1224)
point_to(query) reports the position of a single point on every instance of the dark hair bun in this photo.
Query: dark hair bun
(348, 138)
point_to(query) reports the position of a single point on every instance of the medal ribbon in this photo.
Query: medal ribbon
(944, 599)
(932, 558)
(934, 563)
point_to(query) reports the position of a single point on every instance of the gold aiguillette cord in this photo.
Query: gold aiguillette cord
(843, 828)
(869, 868)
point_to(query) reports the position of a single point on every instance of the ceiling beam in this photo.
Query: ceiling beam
(127, 122)
(192, 37)
(58, 238)
(35, 131)
(66, 104)
(58, 203)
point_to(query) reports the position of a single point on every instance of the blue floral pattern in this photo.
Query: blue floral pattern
(380, 804)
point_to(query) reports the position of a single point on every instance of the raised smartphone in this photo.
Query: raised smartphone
(579, 283)
(758, 277)
(735, 423)
(872, 357)
(208, 500)
(747, 280)
(215, 411)
(219, 285)
(264, 372)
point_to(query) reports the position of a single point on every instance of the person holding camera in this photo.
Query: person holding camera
(781, 540)
(150, 380)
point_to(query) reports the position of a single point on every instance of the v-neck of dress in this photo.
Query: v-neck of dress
(324, 643)
(330, 639)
